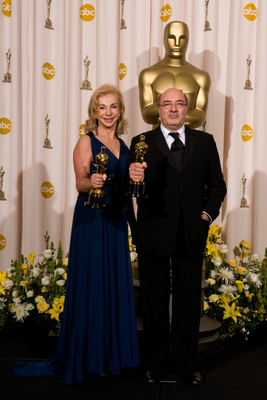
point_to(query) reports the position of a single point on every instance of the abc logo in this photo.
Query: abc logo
(47, 190)
(7, 8)
(246, 133)
(5, 126)
(81, 130)
(48, 71)
(87, 12)
(165, 13)
(250, 12)
(2, 242)
(122, 71)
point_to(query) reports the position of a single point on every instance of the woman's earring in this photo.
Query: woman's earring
(96, 129)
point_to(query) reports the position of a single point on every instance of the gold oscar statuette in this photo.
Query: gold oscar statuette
(96, 197)
(137, 187)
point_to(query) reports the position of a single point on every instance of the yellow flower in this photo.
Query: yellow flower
(214, 298)
(211, 281)
(57, 307)
(244, 244)
(249, 296)
(231, 312)
(212, 249)
(240, 286)
(65, 261)
(31, 258)
(25, 285)
(39, 299)
(60, 301)
(241, 270)
(245, 248)
(24, 268)
(206, 305)
(215, 232)
(64, 276)
(130, 243)
(2, 279)
(42, 306)
(233, 263)
(54, 312)
(226, 299)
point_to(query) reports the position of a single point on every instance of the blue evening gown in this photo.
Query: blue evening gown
(98, 332)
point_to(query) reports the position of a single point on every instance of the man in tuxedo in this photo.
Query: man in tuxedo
(184, 191)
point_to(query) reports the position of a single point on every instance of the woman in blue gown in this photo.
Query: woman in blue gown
(98, 334)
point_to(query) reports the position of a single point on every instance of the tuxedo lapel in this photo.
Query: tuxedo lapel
(161, 144)
(190, 142)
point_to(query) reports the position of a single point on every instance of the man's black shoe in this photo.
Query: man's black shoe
(153, 376)
(193, 378)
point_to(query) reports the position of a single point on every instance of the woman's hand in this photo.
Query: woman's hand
(98, 180)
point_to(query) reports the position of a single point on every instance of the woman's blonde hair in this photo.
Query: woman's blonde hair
(103, 90)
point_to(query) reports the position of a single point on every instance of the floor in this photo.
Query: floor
(236, 370)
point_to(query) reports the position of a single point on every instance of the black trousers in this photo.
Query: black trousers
(181, 340)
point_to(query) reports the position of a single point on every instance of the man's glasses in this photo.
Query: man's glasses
(167, 105)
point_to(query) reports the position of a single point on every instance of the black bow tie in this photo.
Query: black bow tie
(177, 144)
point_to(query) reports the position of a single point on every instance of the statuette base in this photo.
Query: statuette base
(96, 200)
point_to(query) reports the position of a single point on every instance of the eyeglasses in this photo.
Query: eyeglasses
(167, 105)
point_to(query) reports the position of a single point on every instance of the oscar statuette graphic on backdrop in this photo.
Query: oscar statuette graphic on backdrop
(2, 194)
(248, 83)
(123, 26)
(207, 24)
(86, 85)
(47, 142)
(244, 203)
(7, 76)
(48, 22)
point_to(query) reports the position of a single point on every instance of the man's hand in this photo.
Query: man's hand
(137, 171)
(205, 216)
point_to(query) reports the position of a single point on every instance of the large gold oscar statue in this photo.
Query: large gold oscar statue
(174, 71)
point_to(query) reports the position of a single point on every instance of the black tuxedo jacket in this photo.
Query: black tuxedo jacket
(174, 195)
